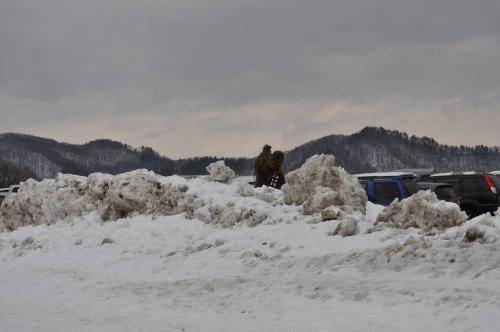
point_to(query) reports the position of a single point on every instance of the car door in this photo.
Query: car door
(385, 191)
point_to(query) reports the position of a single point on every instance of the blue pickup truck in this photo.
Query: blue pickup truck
(383, 188)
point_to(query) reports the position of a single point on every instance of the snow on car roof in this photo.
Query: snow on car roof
(454, 173)
(383, 174)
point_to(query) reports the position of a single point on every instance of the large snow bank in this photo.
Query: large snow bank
(319, 184)
(114, 197)
(237, 203)
(143, 192)
(219, 172)
(47, 201)
(422, 210)
(139, 192)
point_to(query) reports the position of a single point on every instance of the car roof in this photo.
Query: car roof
(433, 185)
(384, 175)
(456, 174)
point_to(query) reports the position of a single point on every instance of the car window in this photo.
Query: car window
(386, 191)
(446, 194)
(470, 185)
(454, 183)
(410, 186)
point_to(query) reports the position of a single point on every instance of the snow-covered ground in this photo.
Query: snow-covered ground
(238, 259)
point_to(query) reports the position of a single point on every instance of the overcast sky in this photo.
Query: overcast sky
(223, 77)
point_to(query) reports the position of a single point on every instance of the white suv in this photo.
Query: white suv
(4, 192)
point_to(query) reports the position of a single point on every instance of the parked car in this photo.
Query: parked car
(4, 192)
(477, 193)
(382, 188)
(443, 191)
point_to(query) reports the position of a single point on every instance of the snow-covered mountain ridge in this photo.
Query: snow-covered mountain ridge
(371, 149)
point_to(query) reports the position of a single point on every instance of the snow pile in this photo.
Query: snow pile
(179, 273)
(219, 172)
(319, 184)
(348, 226)
(46, 202)
(237, 203)
(331, 213)
(470, 250)
(142, 192)
(244, 189)
(137, 192)
(267, 194)
(114, 197)
(484, 229)
(422, 210)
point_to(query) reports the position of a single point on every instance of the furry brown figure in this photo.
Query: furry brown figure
(262, 165)
(275, 177)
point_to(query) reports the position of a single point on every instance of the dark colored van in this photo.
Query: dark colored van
(477, 193)
(383, 188)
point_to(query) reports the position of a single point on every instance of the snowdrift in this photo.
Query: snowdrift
(164, 248)
(114, 197)
(319, 184)
(318, 191)
(214, 199)
(218, 171)
(217, 199)
(422, 210)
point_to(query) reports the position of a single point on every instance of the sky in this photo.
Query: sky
(223, 77)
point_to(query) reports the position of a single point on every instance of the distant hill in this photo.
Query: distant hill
(371, 149)
(377, 149)
(47, 157)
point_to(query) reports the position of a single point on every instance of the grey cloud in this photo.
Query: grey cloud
(169, 58)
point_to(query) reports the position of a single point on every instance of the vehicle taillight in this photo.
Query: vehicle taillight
(490, 184)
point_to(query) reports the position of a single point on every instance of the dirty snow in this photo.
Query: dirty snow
(114, 197)
(230, 257)
(218, 171)
(422, 210)
(319, 184)
(140, 192)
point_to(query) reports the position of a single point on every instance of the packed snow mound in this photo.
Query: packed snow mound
(331, 213)
(139, 192)
(348, 226)
(219, 172)
(46, 202)
(267, 194)
(470, 249)
(483, 229)
(422, 210)
(236, 203)
(319, 184)
(114, 197)
(142, 192)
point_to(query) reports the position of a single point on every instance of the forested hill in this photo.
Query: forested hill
(378, 149)
(46, 157)
(371, 149)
